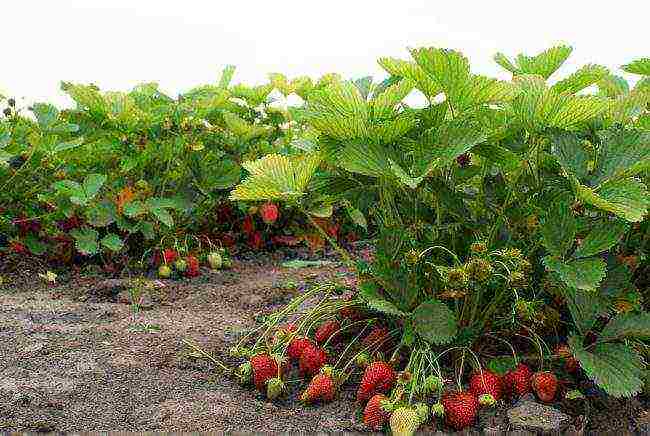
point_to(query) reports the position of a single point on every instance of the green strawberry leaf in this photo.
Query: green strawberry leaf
(601, 238)
(86, 240)
(615, 367)
(112, 242)
(582, 274)
(559, 229)
(435, 322)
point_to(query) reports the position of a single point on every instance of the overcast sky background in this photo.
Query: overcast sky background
(117, 44)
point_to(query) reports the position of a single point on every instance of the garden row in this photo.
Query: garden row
(123, 174)
(509, 218)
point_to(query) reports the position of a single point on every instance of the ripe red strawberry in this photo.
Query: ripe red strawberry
(517, 381)
(269, 213)
(297, 346)
(321, 388)
(351, 313)
(311, 360)
(378, 378)
(192, 267)
(18, 248)
(169, 255)
(378, 338)
(326, 331)
(460, 409)
(255, 240)
(248, 225)
(374, 415)
(264, 368)
(486, 382)
(545, 384)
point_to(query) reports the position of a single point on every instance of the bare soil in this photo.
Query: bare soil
(75, 358)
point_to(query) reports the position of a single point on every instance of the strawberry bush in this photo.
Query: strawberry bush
(511, 218)
(118, 173)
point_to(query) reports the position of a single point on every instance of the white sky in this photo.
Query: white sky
(183, 43)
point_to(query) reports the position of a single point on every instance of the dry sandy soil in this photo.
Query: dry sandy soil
(76, 359)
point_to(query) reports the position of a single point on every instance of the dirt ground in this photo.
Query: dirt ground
(76, 359)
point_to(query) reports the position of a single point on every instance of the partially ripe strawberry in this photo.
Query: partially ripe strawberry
(18, 248)
(297, 346)
(517, 381)
(264, 369)
(321, 388)
(326, 331)
(460, 409)
(269, 213)
(164, 272)
(375, 414)
(404, 421)
(545, 385)
(193, 269)
(311, 360)
(486, 382)
(378, 378)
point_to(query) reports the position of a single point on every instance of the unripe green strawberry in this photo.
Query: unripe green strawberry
(214, 260)
(432, 384)
(438, 410)
(479, 270)
(180, 265)
(545, 384)
(244, 373)
(460, 409)
(378, 378)
(376, 412)
(164, 272)
(226, 262)
(404, 421)
(423, 412)
(274, 388)
(486, 400)
(362, 360)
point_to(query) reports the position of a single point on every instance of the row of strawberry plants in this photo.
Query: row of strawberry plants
(511, 219)
(118, 173)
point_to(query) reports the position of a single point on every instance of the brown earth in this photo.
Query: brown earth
(75, 358)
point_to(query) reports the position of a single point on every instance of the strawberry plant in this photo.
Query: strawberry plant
(492, 202)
